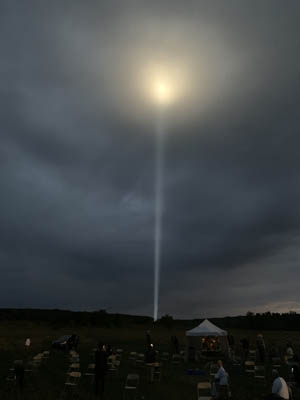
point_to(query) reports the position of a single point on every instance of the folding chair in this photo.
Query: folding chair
(74, 358)
(73, 378)
(46, 354)
(276, 362)
(119, 351)
(11, 374)
(74, 367)
(113, 363)
(140, 360)
(249, 366)
(204, 391)
(223, 392)
(213, 369)
(165, 356)
(157, 373)
(11, 379)
(37, 360)
(252, 355)
(132, 356)
(90, 370)
(259, 373)
(176, 359)
(131, 386)
(236, 361)
(71, 384)
(290, 389)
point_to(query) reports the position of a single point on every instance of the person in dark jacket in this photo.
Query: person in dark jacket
(19, 373)
(148, 339)
(245, 346)
(175, 344)
(296, 370)
(150, 359)
(73, 342)
(100, 368)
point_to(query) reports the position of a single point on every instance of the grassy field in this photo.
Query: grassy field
(47, 382)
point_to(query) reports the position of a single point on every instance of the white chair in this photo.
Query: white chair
(37, 359)
(113, 363)
(90, 374)
(46, 354)
(249, 367)
(132, 355)
(276, 362)
(140, 360)
(73, 379)
(74, 356)
(74, 367)
(157, 372)
(213, 369)
(260, 374)
(90, 370)
(131, 386)
(204, 391)
(71, 383)
(165, 356)
(236, 361)
(176, 359)
(252, 355)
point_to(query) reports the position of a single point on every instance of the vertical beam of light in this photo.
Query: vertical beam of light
(159, 178)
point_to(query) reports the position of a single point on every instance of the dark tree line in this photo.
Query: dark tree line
(62, 317)
(257, 321)
(262, 321)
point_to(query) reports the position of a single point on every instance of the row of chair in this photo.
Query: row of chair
(139, 358)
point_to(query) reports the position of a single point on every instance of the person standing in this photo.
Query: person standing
(148, 339)
(27, 347)
(296, 370)
(245, 346)
(176, 345)
(100, 369)
(150, 359)
(221, 380)
(19, 374)
(280, 390)
(261, 348)
(231, 341)
(289, 352)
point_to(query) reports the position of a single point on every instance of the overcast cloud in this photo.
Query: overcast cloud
(77, 156)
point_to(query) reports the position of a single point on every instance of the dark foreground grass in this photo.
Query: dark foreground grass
(47, 383)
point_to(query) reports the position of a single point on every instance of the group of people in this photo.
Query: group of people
(280, 390)
(260, 348)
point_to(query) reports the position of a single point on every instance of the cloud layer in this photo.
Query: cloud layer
(77, 157)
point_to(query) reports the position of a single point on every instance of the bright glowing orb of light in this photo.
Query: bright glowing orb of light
(162, 84)
(162, 92)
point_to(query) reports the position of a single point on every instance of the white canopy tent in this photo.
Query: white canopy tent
(205, 329)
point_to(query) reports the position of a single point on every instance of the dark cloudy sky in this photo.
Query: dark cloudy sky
(77, 156)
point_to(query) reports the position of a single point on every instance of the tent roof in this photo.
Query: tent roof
(206, 328)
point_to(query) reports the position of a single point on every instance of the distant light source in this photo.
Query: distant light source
(162, 84)
(162, 92)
